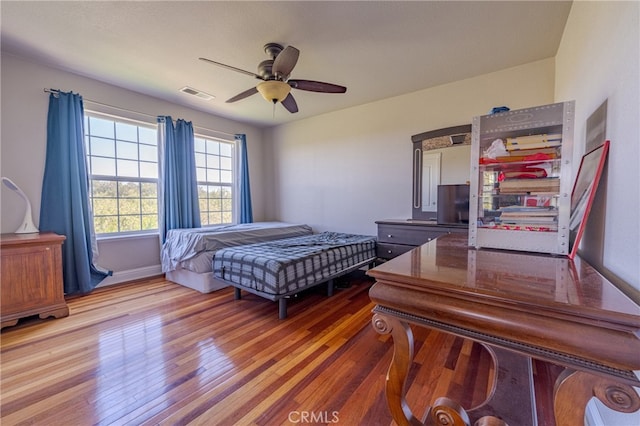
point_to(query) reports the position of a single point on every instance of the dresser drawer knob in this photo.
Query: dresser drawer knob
(389, 236)
(389, 251)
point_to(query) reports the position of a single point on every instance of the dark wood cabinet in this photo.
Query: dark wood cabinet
(31, 277)
(396, 237)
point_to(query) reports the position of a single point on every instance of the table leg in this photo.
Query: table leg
(399, 368)
(574, 389)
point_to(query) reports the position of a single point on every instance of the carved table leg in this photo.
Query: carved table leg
(574, 389)
(399, 368)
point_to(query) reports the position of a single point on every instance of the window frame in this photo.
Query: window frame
(232, 186)
(118, 179)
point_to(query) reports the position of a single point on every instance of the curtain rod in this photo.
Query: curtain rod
(55, 92)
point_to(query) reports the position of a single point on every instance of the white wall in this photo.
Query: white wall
(598, 60)
(23, 147)
(342, 171)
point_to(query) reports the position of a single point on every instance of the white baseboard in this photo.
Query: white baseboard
(131, 275)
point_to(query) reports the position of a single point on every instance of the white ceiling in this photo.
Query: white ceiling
(377, 49)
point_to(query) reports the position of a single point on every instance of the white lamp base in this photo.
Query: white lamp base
(27, 226)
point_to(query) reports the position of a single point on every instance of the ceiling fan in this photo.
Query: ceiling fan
(274, 73)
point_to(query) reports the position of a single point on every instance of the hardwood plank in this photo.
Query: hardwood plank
(153, 352)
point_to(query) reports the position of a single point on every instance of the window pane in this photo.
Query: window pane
(103, 166)
(204, 218)
(199, 145)
(129, 206)
(128, 168)
(127, 150)
(148, 135)
(149, 222)
(104, 188)
(213, 161)
(200, 160)
(101, 127)
(105, 224)
(226, 149)
(148, 153)
(105, 206)
(226, 204)
(148, 170)
(149, 190)
(129, 223)
(102, 147)
(215, 218)
(226, 176)
(149, 205)
(225, 163)
(213, 175)
(227, 217)
(202, 203)
(129, 189)
(213, 147)
(201, 174)
(126, 132)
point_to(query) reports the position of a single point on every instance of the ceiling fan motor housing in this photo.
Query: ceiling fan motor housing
(265, 69)
(273, 49)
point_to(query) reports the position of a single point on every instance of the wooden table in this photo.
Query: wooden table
(523, 308)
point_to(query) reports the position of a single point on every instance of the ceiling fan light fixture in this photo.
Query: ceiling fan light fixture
(274, 90)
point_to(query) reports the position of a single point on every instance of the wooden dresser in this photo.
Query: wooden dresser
(396, 237)
(31, 277)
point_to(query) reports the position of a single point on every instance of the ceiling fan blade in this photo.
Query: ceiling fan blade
(243, 95)
(285, 61)
(290, 104)
(316, 86)
(229, 67)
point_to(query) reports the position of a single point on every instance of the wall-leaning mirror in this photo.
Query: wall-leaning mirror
(584, 190)
(440, 157)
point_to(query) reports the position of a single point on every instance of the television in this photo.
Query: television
(453, 204)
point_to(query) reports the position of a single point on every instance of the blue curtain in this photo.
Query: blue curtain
(246, 213)
(179, 192)
(64, 206)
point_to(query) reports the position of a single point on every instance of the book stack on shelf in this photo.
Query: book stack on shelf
(529, 172)
(523, 218)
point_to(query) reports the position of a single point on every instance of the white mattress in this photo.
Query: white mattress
(193, 249)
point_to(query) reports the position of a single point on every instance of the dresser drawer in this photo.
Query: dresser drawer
(389, 251)
(407, 234)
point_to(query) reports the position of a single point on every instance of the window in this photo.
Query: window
(122, 159)
(214, 171)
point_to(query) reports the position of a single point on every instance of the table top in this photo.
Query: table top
(33, 238)
(543, 301)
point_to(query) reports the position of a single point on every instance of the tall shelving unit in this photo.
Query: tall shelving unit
(521, 199)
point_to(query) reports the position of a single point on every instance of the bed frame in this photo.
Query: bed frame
(282, 298)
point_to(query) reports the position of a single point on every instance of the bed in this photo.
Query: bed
(187, 254)
(279, 269)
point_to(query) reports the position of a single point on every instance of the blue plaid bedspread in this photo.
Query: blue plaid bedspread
(292, 264)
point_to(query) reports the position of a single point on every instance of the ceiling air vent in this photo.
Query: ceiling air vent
(191, 91)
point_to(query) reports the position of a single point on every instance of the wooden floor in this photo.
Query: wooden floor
(155, 352)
